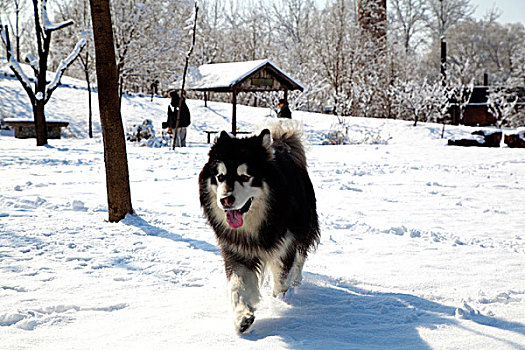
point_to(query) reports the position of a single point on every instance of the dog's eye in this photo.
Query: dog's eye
(221, 177)
(244, 178)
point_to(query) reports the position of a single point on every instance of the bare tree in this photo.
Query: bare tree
(42, 92)
(135, 23)
(409, 17)
(502, 104)
(443, 14)
(115, 157)
(78, 10)
(460, 88)
(16, 7)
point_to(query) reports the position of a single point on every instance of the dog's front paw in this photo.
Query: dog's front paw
(280, 289)
(243, 321)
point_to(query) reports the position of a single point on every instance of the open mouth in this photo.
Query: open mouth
(234, 217)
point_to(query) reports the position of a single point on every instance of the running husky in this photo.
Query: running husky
(258, 197)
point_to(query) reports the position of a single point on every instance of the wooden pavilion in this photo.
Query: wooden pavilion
(249, 76)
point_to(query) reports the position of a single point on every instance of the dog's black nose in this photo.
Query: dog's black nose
(227, 202)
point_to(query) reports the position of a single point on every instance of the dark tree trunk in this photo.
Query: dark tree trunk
(17, 29)
(115, 157)
(43, 44)
(40, 123)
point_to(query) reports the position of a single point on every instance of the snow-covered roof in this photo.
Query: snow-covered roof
(225, 76)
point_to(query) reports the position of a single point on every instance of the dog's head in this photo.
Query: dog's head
(235, 178)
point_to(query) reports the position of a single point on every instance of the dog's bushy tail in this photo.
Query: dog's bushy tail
(288, 136)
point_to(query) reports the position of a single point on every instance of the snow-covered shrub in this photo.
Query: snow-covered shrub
(144, 135)
(343, 134)
(165, 140)
(338, 134)
(502, 104)
(368, 137)
(420, 101)
(142, 131)
(335, 137)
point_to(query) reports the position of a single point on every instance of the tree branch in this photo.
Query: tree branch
(64, 64)
(15, 67)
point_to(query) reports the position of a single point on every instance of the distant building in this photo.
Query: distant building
(477, 111)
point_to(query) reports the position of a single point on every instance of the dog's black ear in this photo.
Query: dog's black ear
(266, 139)
(223, 136)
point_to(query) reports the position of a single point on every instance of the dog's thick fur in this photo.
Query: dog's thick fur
(258, 198)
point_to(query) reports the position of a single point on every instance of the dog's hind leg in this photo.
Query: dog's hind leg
(243, 285)
(281, 273)
(296, 274)
(287, 273)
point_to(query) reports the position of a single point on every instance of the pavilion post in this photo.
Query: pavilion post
(205, 99)
(234, 111)
(286, 95)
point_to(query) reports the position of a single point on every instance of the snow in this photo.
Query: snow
(225, 75)
(423, 244)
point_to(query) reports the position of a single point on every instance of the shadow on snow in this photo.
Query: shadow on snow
(329, 314)
(150, 230)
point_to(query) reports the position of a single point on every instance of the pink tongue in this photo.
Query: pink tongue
(234, 218)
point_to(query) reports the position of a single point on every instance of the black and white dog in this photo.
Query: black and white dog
(258, 197)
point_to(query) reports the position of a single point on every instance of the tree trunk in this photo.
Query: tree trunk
(40, 122)
(115, 157)
(40, 86)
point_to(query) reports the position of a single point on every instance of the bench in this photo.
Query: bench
(210, 132)
(25, 128)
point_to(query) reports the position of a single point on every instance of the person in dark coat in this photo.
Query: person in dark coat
(179, 128)
(284, 111)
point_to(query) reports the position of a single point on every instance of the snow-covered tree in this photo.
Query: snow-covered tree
(365, 91)
(78, 10)
(460, 89)
(421, 101)
(16, 8)
(506, 100)
(150, 39)
(408, 97)
(337, 62)
(502, 104)
(487, 45)
(42, 90)
(409, 17)
(444, 14)
(210, 45)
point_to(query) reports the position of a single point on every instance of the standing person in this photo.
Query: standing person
(179, 130)
(154, 88)
(284, 111)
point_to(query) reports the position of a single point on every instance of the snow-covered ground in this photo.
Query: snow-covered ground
(423, 244)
